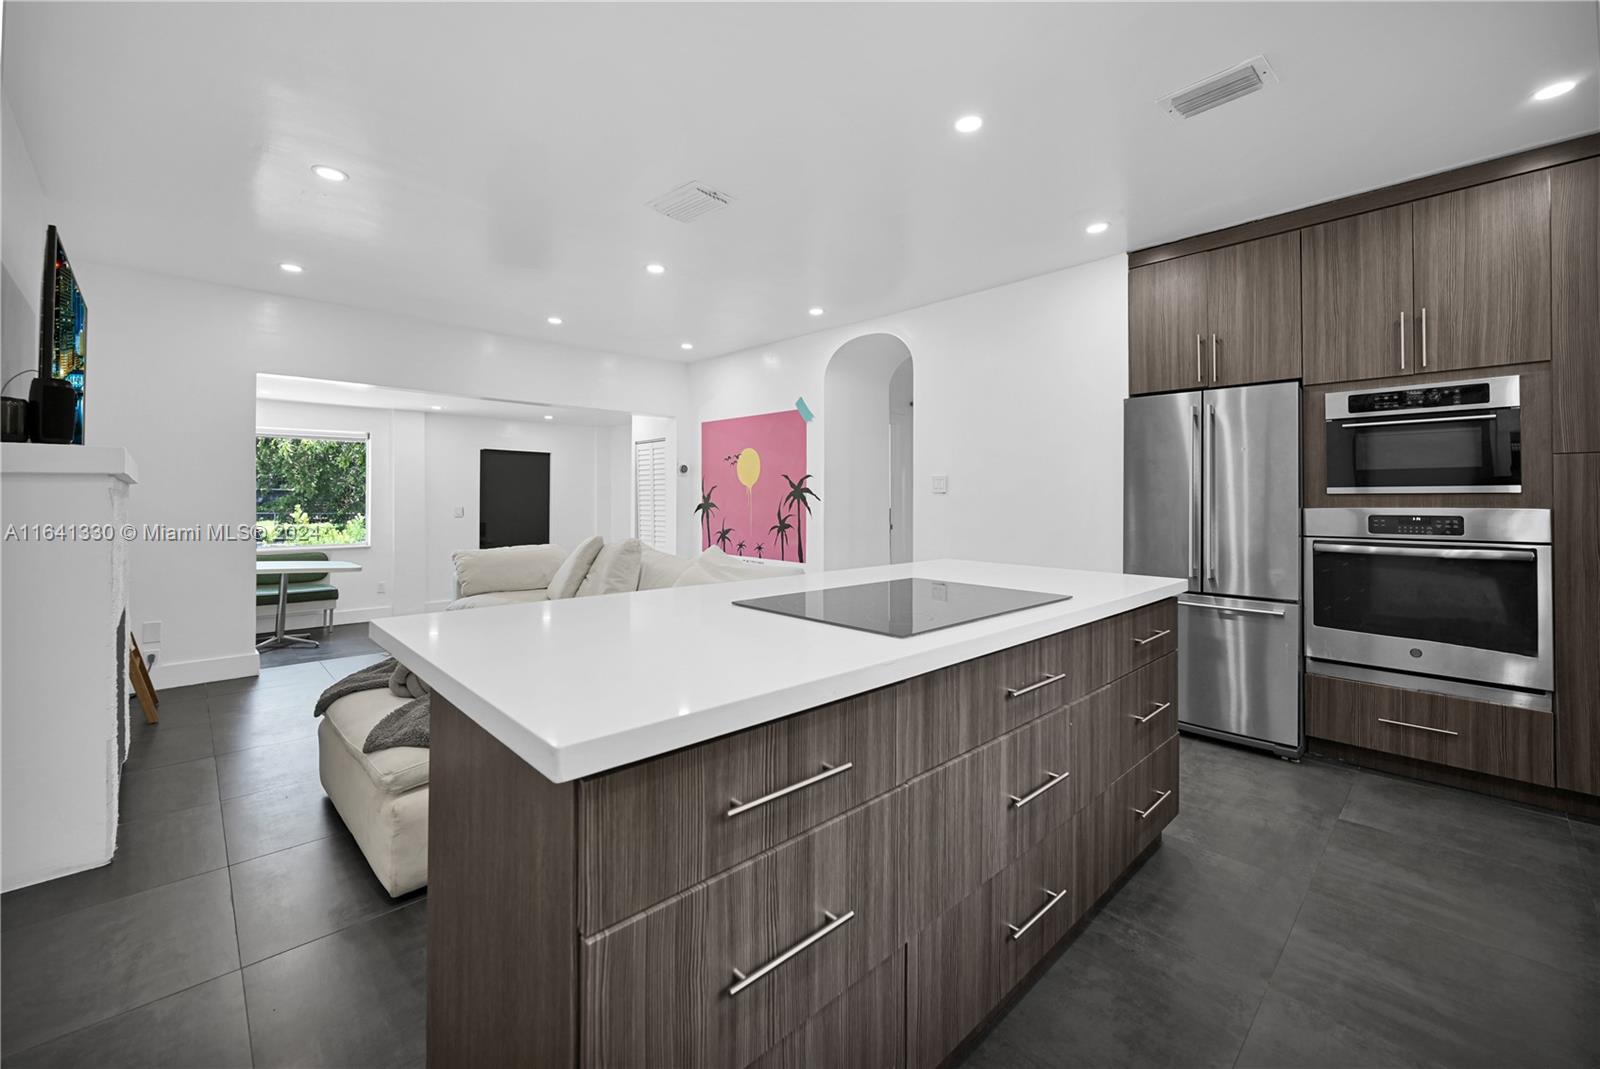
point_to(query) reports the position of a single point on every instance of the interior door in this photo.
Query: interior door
(1253, 297)
(1357, 285)
(1166, 325)
(1483, 275)
(1251, 478)
(1160, 486)
(513, 498)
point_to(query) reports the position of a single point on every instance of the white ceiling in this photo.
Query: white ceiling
(366, 395)
(502, 154)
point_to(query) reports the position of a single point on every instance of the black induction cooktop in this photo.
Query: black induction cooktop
(902, 607)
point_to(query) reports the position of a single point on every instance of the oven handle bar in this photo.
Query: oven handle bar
(1430, 419)
(1420, 551)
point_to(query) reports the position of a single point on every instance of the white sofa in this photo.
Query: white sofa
(383, 796)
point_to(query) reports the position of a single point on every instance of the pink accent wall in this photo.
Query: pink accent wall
(780, 440)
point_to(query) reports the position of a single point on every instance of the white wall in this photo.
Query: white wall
(855, 394)
(1019, 394)
(23, 218)
(173, 380)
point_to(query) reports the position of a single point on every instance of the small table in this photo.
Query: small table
(283, 569)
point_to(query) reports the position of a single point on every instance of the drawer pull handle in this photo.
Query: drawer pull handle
(1055, 778)
(1055, 896)
(742, 981)
(1419, 727)
(1151, 638)
(1017, 692)
(735, 807)
(1152, 714)
(1146, 812)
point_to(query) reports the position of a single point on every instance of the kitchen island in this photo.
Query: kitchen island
(667, 830)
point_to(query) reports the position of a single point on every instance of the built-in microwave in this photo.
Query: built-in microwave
(1442, 438)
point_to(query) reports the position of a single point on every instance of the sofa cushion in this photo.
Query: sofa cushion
(490, 571)
(564, 584)
(715, 566)
(353, 717)
(615, 570)
(658, 570)
(503, 597)
(267, 593)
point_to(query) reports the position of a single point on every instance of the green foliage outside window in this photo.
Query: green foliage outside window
(311, 491)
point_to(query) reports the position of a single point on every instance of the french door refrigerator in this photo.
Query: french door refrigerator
(1211, 493)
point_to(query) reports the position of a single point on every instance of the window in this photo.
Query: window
(650, 517)
(311, 488)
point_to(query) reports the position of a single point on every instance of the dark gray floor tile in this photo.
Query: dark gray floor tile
(203, 1027)
(167, 789)
(170, 742)
(1443, 816)
(150, 851)
(1434, 994)
(1287, 1032)
(1587, 838)
(261, 823)
(296, 895)
(65, 974)
(1121, 996)
(1548, 916)
(284, 676)
(190, 695)
(356, 997)
(231, 732)
(265, 768)
(1217, 908)
(343, 666)
(171, 712)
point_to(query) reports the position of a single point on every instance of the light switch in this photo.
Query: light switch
(941, 484)
(460, 512)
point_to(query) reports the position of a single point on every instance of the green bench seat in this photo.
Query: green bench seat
(304, 587)
(267, 593)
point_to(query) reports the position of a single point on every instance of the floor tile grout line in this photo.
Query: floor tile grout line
(12, 932)
(392, 907)
(233, 911)
(282, 849)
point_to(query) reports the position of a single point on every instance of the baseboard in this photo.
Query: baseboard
(164, 673)
(310, 619)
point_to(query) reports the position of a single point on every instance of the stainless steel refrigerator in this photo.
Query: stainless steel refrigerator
(1211, 493)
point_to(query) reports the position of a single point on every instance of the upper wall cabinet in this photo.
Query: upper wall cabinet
(1357, 293)
(1220, 318)
(1575, 302)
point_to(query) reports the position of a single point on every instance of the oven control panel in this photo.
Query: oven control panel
(1468, 393)
(1395, 524)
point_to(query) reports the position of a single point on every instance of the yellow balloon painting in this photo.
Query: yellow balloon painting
(748, 468)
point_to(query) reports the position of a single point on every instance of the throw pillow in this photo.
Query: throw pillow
(568, 577)
(614, 571)
(658, 570)
(492, 571)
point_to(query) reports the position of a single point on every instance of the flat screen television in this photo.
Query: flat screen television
(63, 327)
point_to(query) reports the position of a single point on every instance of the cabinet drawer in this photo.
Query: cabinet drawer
(864, 1028)
(802, 924)
(1499, 740)
(1035, 903)
(1116, 727)
(673, 821)
(1143, 637)
(1123, 821)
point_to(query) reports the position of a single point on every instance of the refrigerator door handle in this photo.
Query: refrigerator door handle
(1194, 490)
(1211, 498)
(1230, 608)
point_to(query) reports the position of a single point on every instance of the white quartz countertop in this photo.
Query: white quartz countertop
(579, 686)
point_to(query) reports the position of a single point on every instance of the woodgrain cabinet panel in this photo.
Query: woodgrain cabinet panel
(1576, 553)
(1167, 314)
(864, 1028)
(1357, 285)
(952, 978)
(658, 990)
(1034, 902)
(1120, 725)
(1482, 275)
(1253, 301)
(1123, 821)
(1575, 305)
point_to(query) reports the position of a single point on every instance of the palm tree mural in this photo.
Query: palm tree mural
(723, 537)
(705, 509)
(739, 549)
(797, 496)
(760, 546)
(781, 529)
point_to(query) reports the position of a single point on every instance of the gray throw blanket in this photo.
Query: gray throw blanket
(409, 725)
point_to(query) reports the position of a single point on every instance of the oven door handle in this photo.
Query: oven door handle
(1428, 419)
(1445, 553)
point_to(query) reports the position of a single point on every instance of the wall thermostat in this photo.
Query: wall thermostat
(683, 469)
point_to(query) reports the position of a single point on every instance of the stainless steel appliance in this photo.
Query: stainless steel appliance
(1445, 437)
(1211, 493)
(1460, 594)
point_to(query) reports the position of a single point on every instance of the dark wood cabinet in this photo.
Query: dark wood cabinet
(864, 1028)
(1357, 296)
(1166, 325)
(1575, 305)
(1482, 275)
(1576, 553)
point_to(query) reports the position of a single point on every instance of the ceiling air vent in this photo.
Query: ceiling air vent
(1219, 89)
(690, 201)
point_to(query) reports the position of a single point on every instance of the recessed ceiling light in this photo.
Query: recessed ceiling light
(437, 408)
(332, 174)
(816, 311)
(554, 321)
(687, 345)
(290, 269)
(548, 416)
(1097, 228)
(1555, 89)
(969, 124)
(655, 269)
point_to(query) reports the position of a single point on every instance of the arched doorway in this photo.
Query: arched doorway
(868, 428)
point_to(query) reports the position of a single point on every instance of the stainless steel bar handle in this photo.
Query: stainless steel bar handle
(735, 807)
(1424, 335)
(1055, 778)
(742, 980)
(1152, 808)
(1213, 359)
(1199, 376)
(1402, 341)
(1419, 727)
(1230, 608)
(1017, 692)
(1150, 638)
(1401, 422)
(1423, 551)
(1152, 714)
(1053, 898)
(1211, 500)
(1194, 453)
